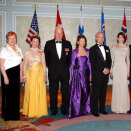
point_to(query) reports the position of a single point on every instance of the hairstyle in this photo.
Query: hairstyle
(35, 37)
(11, 33)
(123, 35)
(78, 38)
(97, 35)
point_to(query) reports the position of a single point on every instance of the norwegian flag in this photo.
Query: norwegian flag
(59, 23)
(103, 26)
(124, 26)
(34, 29)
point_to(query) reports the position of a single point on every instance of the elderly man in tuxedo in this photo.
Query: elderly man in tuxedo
(100, 64)
(58, 57)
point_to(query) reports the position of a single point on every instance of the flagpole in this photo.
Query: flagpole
(57, 7)
(34, 6)
(124, 10)
(102, 8)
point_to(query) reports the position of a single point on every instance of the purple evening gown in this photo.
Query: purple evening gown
(79, 86)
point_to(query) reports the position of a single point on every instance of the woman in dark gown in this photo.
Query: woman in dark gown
(80, 80)
(11, 76)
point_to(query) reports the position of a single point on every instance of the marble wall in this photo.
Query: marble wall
(91, 26)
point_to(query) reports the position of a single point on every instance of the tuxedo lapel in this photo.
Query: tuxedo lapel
(99, 52)
(54, 49)
(62, 51)
(106, 52)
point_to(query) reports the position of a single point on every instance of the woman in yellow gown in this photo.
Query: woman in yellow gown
(35, 103)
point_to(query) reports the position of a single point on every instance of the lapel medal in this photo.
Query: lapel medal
(66, 50)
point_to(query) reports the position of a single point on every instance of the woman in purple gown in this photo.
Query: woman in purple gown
(80, 79)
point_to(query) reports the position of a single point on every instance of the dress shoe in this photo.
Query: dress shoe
(64, 112)
(95, 114)
(103, 112)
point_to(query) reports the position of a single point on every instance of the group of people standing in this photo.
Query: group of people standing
(81, 66)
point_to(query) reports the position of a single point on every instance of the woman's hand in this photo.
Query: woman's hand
(6, 80)
(111, 75)
(45, 78)
(21, 79)
(24, 79)
(128, 75)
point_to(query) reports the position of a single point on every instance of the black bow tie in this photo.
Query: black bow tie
(100, 45)
(58, 42)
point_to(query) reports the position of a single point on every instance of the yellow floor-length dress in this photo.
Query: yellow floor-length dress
(35, 103)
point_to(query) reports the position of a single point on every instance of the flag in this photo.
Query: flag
(124, 26)
(81, 26)
(59, 23)
(103, 26)
(34, 29)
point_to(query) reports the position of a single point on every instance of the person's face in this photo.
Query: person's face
(11, 40)
(81, 42)
(120, 39)
(100, 38)
(35, 43)
(58, 34)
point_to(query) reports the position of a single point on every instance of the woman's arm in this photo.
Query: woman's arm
(6, 80)
(25, 66)
(44, 66)
(72, 63)
(128, 62)
(112, 63)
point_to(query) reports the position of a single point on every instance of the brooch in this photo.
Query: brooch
(40, 52)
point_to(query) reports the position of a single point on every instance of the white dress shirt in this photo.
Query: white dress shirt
(59, 49)
(102, 49)
(12, 58)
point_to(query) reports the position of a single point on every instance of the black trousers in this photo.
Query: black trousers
(53, 91)
(98, 93)
(11, 94)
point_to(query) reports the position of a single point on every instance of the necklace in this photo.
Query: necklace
(81, 50)
(34, 49)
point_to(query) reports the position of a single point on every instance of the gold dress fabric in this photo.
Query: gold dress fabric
(120, 68)
(35, 103)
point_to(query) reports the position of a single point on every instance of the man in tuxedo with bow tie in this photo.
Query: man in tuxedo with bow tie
(100, 58)
(58, 58)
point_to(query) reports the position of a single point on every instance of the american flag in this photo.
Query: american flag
(124, 27)
(34, 29)
(103, 26)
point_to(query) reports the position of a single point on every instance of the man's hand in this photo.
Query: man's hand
(106, 71)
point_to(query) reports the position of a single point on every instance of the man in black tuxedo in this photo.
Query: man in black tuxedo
(130, 79)
(100, 64)
(58, 58)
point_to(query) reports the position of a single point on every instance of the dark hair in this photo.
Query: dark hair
(123, 35)
(78, 38)
(35, 37)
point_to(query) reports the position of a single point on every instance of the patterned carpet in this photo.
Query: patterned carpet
(60, 122)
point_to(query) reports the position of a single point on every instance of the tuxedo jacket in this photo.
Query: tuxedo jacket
(98, 64)
(58, 67)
